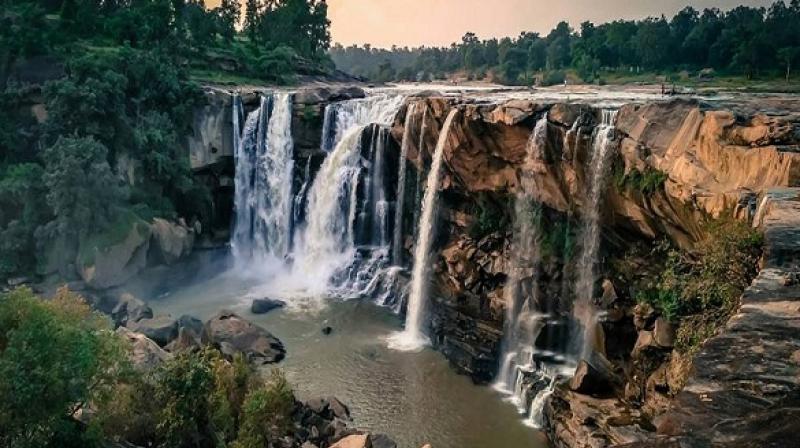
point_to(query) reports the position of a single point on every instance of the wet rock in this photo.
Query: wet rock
(265, 305)
(145, 354)
(339, 409)
(161, 329)
(234, 334)
(382, 441)
(130, 309)
(354, 441)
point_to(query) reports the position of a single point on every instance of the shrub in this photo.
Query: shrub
(700, 289)
(55, 357)
(646, 182)
(266, 413)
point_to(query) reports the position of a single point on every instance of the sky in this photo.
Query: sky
(383, 23)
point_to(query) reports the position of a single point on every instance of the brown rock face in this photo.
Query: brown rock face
(710, 163)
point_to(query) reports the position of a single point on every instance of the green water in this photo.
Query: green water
(415, 398)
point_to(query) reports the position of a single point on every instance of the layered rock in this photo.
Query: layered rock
(707, 163)
(744, 387)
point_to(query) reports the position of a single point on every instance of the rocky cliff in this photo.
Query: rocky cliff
(677, 166)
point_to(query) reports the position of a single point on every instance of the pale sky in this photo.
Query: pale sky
(383, 23)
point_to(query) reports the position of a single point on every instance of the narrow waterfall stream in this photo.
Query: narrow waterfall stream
(414, 337)
(527, 373)
(597, 177)
(397, 245)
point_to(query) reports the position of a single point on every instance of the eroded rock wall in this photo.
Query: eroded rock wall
(709, 162)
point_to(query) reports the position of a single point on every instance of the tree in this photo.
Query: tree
(652, 43)
(229, 13)
(266, 413)
(83, 191)
(55, 357)
(788, 55)
(252, 13)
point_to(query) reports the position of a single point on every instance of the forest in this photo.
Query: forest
(745, 41)
(118, 80)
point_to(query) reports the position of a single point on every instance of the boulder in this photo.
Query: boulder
(145, 354)
(382, 441)
(192, 324)
(233, 334)
(161, 329)
(354, 441)
(113, 265)
(664, 333)
(186, 341)
(644, 341)
(265, 305)
(130, 309)
(339, 409)
(594, 376)
(171, 241)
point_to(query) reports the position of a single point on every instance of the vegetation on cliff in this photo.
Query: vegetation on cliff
(66, 380)
(96, 97)
(700, 289)
(744, 41)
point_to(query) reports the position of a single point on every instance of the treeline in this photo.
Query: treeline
(95, 100)
(744, 41)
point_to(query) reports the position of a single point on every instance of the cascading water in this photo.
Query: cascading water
(522, 323)
(397, 245)
(413, 337)
(326, 255)
(590, 237)
(264, 165)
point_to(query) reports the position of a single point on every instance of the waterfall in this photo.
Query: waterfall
(397, 246)
(523, 320)
(536, 414)
(327, 260)
(413, 337)
(590, 238)
(328, 128)
(264, 164)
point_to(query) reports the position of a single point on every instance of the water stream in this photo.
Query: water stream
(414, 337)
(597, 177)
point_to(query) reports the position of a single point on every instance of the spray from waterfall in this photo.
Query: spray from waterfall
(413, 337)
(602, 149)
(397, 245)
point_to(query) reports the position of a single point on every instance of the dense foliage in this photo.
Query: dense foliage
(59, 359)
(55, 358)
(745, 40)
(96, 144)
(700, 289)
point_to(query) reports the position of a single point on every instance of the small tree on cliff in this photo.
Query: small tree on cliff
(787, 56)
